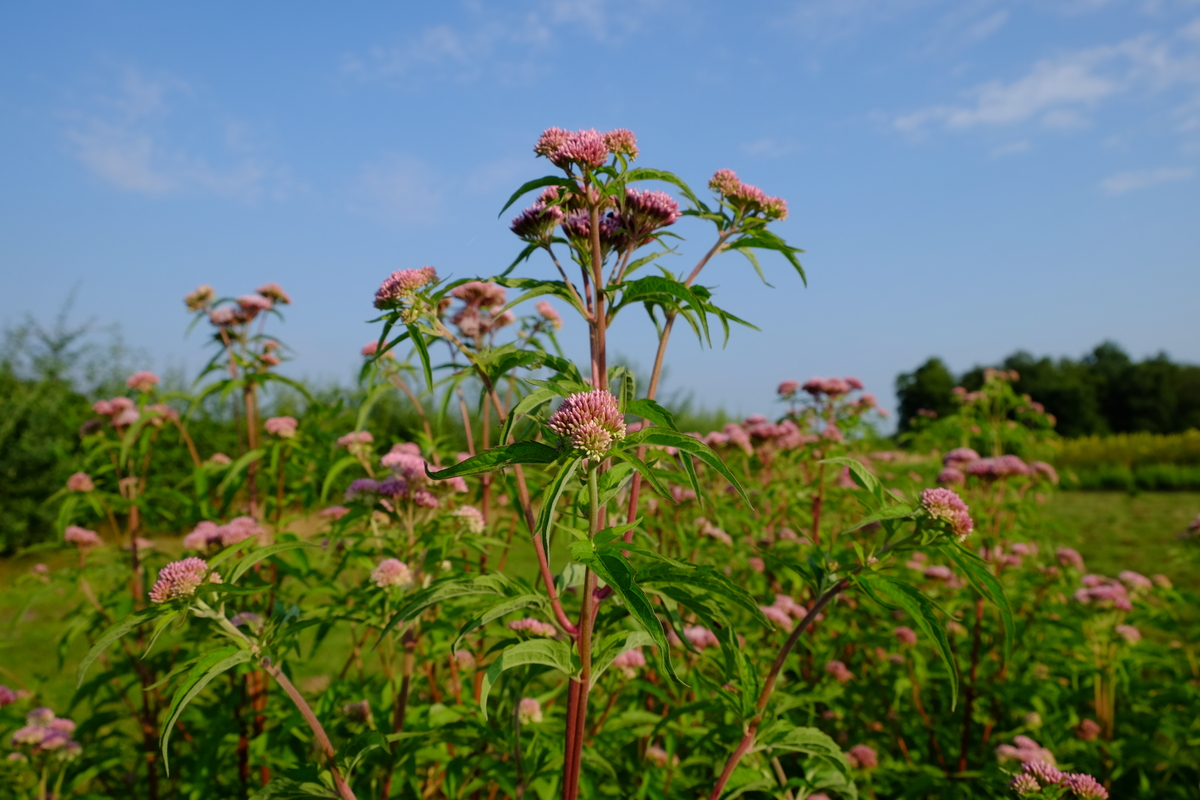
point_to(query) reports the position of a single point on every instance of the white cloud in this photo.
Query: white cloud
(124, 139)
(505, 46)
(1124, 182)
(1060, 92)
(399, 189)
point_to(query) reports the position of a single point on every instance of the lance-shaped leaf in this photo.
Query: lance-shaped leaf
(618, 573)
(498, 458)
(921, 609)
(650, 410)
(496, 612)
(648, 174)
(810, 741)
(527, 404)
(549, 180)
(705, 579)
(681, 441)
(248, 560)
(111, 635)
(981, 577)
(616, 645)
(422, 349)
(547, 652)
(449, 588)
(208, 667)
(552, 494)
(859, 473)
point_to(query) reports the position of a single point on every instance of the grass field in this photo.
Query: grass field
(1113, 531)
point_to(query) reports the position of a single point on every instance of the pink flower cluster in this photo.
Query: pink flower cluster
(121, 411)
(274, 292)
(283, 427)
(402, 285)
(1036, 776)
(80, 482)
(82, 537)
(200, 297)
(391, 572)
(830, 387)
(549, 314)
(210, 536)
(783, 611)
(476, 318)
(529, 711)
(713, 532)
(536, 224)
(590, 421)
(181, 579)
(46, 733)
(1025, 750)
(646, 211)
(356, 441)
(1069, 557)
(1104, 593)
(990, 469)
(748, 199)
(472, 517)
(905, 636)
(143, 381)
(862, 756)
(587, 149)
(945, 505)
(840, 672)
(700, 637)
(630, 662)
(534, 627)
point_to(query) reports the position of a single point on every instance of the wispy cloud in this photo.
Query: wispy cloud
(1124, 182)
(498, 42)
(124, 138)
(399, 190)
(1063, 91)
(1012, 149)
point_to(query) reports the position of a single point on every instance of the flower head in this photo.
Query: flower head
(472, 517)
(622, 140)
(629, 662)
(646, 211)
(82, 537)
(80, 482)
(250, 304)
(480, 294)
(1135, 580)
(1088, 730)
(1040, 469)
(391, 572)
(283, 427)
(534, 627)
(959, 456)
(181, 579)
(839, 671)
(1129, 633)
(1024, 784)
(862, 756)
(550, 140)
(334, 512)
(945, 505)
(274, 292)
(586, 149)
(905, 635)
(529, 711)
(537, 223)
(7, 696)
(362, 487)
(549, 314)
(200, 297)
(143, 381)
(788, 388)
(951, 476)
(701, 637)
(1085, 787)
(1068, 557)
(778, 616)
(402, 285)
(591, 421)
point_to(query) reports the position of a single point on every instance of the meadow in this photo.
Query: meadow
(569, 591)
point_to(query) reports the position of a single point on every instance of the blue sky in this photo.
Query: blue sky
(967, 178)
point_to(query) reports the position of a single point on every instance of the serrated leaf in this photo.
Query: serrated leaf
(650, 410)
(986, 584)
(446, 589)
(615, 645)
(681, 441)
(704, 578)
(498, 458)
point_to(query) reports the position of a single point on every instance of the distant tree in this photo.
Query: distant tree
(928, 388)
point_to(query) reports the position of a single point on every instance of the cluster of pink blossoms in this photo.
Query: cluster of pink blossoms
(906, 636)
(534, 627)
(747, 198)
(529, 710)
(80, 482)
(45, 733)
(1104, 593)
(590, 422)
(630, 662)
(181, 579)
(713, 532)
(1037, 776)
(356, 441)
(82, 537)
(143, 381)
(840, 672)
(402, 285)
(862, 756)
(248, 306)
(759, 435)
(549, 314)
(946, 506)
(472, 517)
(121, 411)
(1025, 750)
(209, 536)
(391, 572)
(283, 427)
(477, 317)
(784, 611)
(587, 149)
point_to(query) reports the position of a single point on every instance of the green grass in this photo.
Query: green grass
(1117, 530)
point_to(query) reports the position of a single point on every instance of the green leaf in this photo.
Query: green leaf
(418, 340)
(498, 458)
(706, 579)
(647, 174)
(525, 405)
(650, 410)
(920, 608)
(498, 611)
(616, 645)
(811, 741)
(895, 512)
(339, 466)
(208, 667)
(553, 493)
(238, 467)
(547, 652)
(446, 589)
(111, 635)
(254, 556)
(618, 573)
(549, 180)
(669, 438)
(981, 577)
(861, 475)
